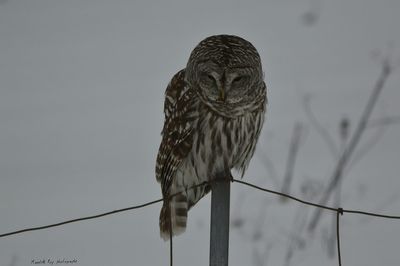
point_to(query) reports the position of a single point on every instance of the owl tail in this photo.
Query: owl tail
(173, 216)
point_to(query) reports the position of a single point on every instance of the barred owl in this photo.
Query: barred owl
(214, 111)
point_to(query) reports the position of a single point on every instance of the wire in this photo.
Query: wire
(99, 215)
(339, 211)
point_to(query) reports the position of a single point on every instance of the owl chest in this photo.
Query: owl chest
(219, 144)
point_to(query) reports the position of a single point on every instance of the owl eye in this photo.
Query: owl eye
(210, 77)
(238, 79)
(207, 78)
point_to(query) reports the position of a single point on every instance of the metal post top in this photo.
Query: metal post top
(219, 233)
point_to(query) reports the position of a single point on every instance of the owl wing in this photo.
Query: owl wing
(177, 131)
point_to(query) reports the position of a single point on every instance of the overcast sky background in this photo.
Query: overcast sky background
(81, 95)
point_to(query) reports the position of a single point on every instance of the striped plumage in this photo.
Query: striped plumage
(214, 111)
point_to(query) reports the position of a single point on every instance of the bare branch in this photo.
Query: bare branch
(328, 139)
(261, 258)
(293, 151)
(296, 241)
(367, 147)
(355, 138)
(384, 121)
(269, 166)
(13, 261)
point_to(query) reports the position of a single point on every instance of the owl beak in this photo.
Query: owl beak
(222, 94)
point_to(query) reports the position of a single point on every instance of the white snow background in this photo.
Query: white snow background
(81, 96)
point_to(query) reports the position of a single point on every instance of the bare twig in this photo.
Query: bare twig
(369, 144)
(13, 261)
(269, 166)
(321, 130)
(355, 138)
(384, 121)
(293, 151)
(296, 242)
(261, 258)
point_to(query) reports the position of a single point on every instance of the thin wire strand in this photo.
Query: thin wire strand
(285, 195)
(81, 219)
(171, 260)
(373, 214)
(338, 212)
(100, 215)
(316, 204)
(198, 185)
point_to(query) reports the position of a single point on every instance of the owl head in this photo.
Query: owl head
(226, 72)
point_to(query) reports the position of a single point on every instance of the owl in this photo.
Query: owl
(214, 111)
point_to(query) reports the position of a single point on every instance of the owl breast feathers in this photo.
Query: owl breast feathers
(214, 111)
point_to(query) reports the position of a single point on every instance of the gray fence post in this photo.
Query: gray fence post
(219, 233)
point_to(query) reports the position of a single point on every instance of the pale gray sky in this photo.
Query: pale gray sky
(81, 94)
